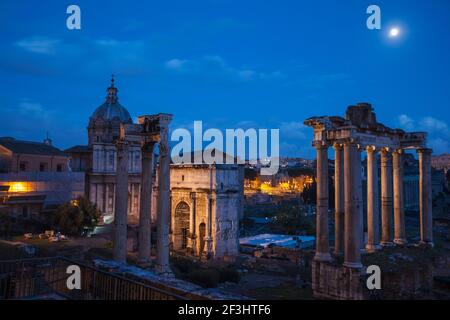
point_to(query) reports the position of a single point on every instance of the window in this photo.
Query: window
(43, 166)
(182, 178)
(23, 166)
(111, 159)
(59, 167)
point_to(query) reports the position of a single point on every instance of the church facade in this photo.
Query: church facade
(206, 201)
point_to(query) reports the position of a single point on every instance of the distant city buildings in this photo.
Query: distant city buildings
(293, 177)
(441, 162)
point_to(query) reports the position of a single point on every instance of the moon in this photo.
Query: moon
(394, 32)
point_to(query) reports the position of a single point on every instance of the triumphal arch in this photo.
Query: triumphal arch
(360, 132)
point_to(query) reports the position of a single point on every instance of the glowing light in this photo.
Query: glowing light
(394, 32)
(18, 187)
(74, 203)
(291, 186)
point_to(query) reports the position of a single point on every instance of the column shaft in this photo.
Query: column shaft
(322, 245)
(145, 203)
(373, 209)
(339, 200)
(193, 224)
(426, 213)
(163, 223)
(386, 198)
(399, 211)
(121, 204)
(359, 196)
(208, 238)
(352, 245)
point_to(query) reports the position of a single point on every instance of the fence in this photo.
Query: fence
(42, 278)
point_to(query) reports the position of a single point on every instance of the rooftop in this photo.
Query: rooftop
(79, 149)
(30, 147)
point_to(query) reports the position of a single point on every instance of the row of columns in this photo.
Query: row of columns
(349, 230)
(163, 205)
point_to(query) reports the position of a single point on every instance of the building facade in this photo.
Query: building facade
(35, 178)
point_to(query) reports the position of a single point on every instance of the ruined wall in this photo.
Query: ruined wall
(332, 281)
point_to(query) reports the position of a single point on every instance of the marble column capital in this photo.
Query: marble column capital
(371, 149)
(338, 146)
(398, 151)
(320, 145)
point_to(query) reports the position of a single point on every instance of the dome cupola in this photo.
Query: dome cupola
(104, 124)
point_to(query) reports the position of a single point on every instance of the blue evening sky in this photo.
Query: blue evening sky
(261, 64)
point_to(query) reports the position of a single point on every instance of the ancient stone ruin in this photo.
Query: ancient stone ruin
(359, 131)
(150, 130)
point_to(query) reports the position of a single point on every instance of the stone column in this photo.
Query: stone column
(145, 202)
(386, 198)
(339, 199)
(106, 198)
(322, 244)
(208, 237)
(359, 196)
(121, 203)
(193, 224)
(162, 221)
(399, 211)
(373, 208)
(352, 242)
(426, 213)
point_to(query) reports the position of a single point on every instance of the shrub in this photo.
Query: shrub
(229, 275)
(204, 278)
(74, 216)
(183, 265)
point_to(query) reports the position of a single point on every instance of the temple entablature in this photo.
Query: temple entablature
(361, 127)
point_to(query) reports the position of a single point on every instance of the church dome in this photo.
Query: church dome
(111, 109)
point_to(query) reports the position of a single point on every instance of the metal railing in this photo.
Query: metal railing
(46, 278)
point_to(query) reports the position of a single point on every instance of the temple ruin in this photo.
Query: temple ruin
(150, 130)
(359, 131)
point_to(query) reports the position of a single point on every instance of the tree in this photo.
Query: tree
(309, 193)
(74, 216)
(290, 219)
